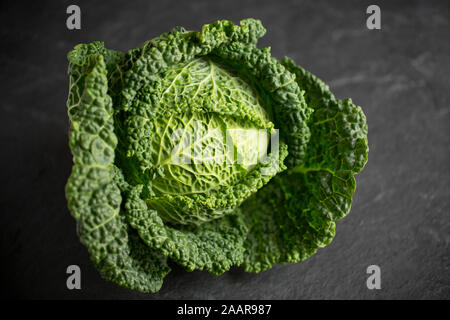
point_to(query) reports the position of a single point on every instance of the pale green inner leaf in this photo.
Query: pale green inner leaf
(220, 132)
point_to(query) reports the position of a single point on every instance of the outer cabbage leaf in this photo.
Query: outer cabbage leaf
(296, 212)
(78, 69)
(214, 246)
(94, 197)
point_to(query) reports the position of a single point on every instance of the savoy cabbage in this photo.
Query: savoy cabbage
(164, 141)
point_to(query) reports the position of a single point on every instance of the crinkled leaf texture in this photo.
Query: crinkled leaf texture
(93, 196)
(164, 140)
(296, 212)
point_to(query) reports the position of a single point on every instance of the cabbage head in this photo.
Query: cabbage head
(202, 149)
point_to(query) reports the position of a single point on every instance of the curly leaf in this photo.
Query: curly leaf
(296, 212)
(93, 197)
(78, 69)
(213, 246)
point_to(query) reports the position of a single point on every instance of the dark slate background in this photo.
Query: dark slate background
(399, 75)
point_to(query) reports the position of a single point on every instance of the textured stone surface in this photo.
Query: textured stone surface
(400, 219)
